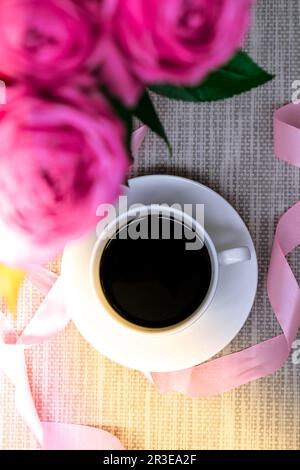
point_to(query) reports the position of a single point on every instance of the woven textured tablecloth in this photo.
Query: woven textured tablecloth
(227, 146)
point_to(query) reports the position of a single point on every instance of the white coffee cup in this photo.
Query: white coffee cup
(218, 258)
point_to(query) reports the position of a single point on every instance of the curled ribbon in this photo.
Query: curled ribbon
(50, 319)
(211, 378)
(231, 371)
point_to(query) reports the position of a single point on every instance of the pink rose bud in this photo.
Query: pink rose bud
(47, 41)
(172, 41)
(59, 159)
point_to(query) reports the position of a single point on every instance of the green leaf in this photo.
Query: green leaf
(239, 75)
(126, 116)
(146, 112)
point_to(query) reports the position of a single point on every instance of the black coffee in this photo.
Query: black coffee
(155, 282)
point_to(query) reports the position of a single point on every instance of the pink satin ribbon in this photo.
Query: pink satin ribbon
(50, 319)
(211, 378)
(138, 138)
(231, 371)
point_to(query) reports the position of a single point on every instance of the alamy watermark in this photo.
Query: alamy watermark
(296, 344)
(296, 92)
(176, 221)
(296, 352)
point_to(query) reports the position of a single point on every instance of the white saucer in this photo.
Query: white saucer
(215, 328)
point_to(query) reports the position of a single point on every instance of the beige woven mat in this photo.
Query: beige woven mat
(227, 146)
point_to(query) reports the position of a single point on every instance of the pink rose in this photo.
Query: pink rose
(173, 41)
(58, 161)
(49, 40)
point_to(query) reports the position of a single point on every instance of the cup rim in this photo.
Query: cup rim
(100, 245)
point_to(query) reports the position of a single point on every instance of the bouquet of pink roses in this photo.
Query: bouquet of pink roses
(76, 73)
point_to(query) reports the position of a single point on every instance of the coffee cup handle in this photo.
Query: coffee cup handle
(234, 255)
